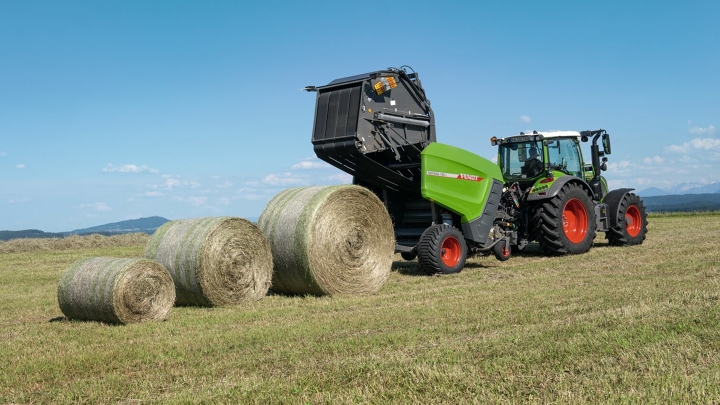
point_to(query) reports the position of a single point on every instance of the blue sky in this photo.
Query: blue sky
(116, 110)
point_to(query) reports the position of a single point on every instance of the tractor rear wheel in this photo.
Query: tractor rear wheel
(565, 223)
(632, 222)
(442, 249)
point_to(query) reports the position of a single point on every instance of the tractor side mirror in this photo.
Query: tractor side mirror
(606, 143)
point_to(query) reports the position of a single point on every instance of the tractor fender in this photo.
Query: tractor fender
(557, 185)
(612, 199)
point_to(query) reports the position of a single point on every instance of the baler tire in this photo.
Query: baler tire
(632, 224)
(565, 224)
(409, 256)
(442, 249)
(502, 253)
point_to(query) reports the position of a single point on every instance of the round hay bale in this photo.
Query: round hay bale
(116, 290)
(213, 261)
(329, 240)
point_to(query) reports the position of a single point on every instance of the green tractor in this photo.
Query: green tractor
(448, 203)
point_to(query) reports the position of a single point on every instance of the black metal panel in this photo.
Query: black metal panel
(478, 229)
(348, 135)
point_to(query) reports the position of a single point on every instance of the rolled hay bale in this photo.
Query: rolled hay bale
(213, 261)
(329, 240)
(116, 290)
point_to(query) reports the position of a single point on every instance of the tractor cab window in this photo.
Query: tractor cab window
(522, 160)
(564, 156)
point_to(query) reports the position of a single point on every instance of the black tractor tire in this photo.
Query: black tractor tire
(632, 225)
(442, 249)
(502, 252)
(409, 256)
(565, 224)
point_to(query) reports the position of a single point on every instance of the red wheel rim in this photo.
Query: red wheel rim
(505, 251)
(633, 221)
(575, 221)
(450, 251)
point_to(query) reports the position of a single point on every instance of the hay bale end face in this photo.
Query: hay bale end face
(329, 240)
(213, 261)
(116, 290)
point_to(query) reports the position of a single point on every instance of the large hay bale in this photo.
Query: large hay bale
(329, 240)
(116, 290)
(213, 261)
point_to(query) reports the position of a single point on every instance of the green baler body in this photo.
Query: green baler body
(457, 180)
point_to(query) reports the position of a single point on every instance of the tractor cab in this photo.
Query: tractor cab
(528, 158)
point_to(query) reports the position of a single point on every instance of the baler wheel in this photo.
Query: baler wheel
(502, 251)
(409, 256)
(632, 222)
(442, 249)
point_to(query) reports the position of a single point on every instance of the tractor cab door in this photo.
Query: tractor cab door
(564, 156)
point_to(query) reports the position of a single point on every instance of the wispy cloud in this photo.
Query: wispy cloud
(284, 179)
(701, 131)
(21, 166)
(18, 201)
(697, 144)
(2, 153)
(110, 168)
(96, 206)
(340, 177)
(195, 201)
(653, 160)
(224, 184)
(310, 163)
(525, 119)
(173, 182)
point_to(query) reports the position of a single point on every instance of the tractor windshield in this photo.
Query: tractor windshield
(522, 160)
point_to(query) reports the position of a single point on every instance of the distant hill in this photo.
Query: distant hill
(29, 233)
(682, 203)
(147, 225)
(682, 188)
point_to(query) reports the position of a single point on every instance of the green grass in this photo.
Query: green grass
(616, 325)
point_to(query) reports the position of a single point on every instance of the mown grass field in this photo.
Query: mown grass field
(615, 325)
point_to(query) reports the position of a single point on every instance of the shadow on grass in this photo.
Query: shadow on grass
(412, 268)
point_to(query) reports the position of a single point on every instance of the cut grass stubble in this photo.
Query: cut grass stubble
(636, 325)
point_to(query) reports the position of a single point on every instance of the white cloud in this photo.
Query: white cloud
(196, 201)
(2, 153)
(172, 182)
(97, 206)
(22, 200)
(21, 166)
(110, 168)
(340, 177)
(284, 179)
(310, 163)
(695, 130)
(224, 184)
(153, 194)
(697, 144)
(653, 160)
(525, 119)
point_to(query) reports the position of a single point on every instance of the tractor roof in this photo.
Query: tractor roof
(528, 136)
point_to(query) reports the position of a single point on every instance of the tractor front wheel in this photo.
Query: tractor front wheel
(442, 249)
(632, 222)
(566, 223)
